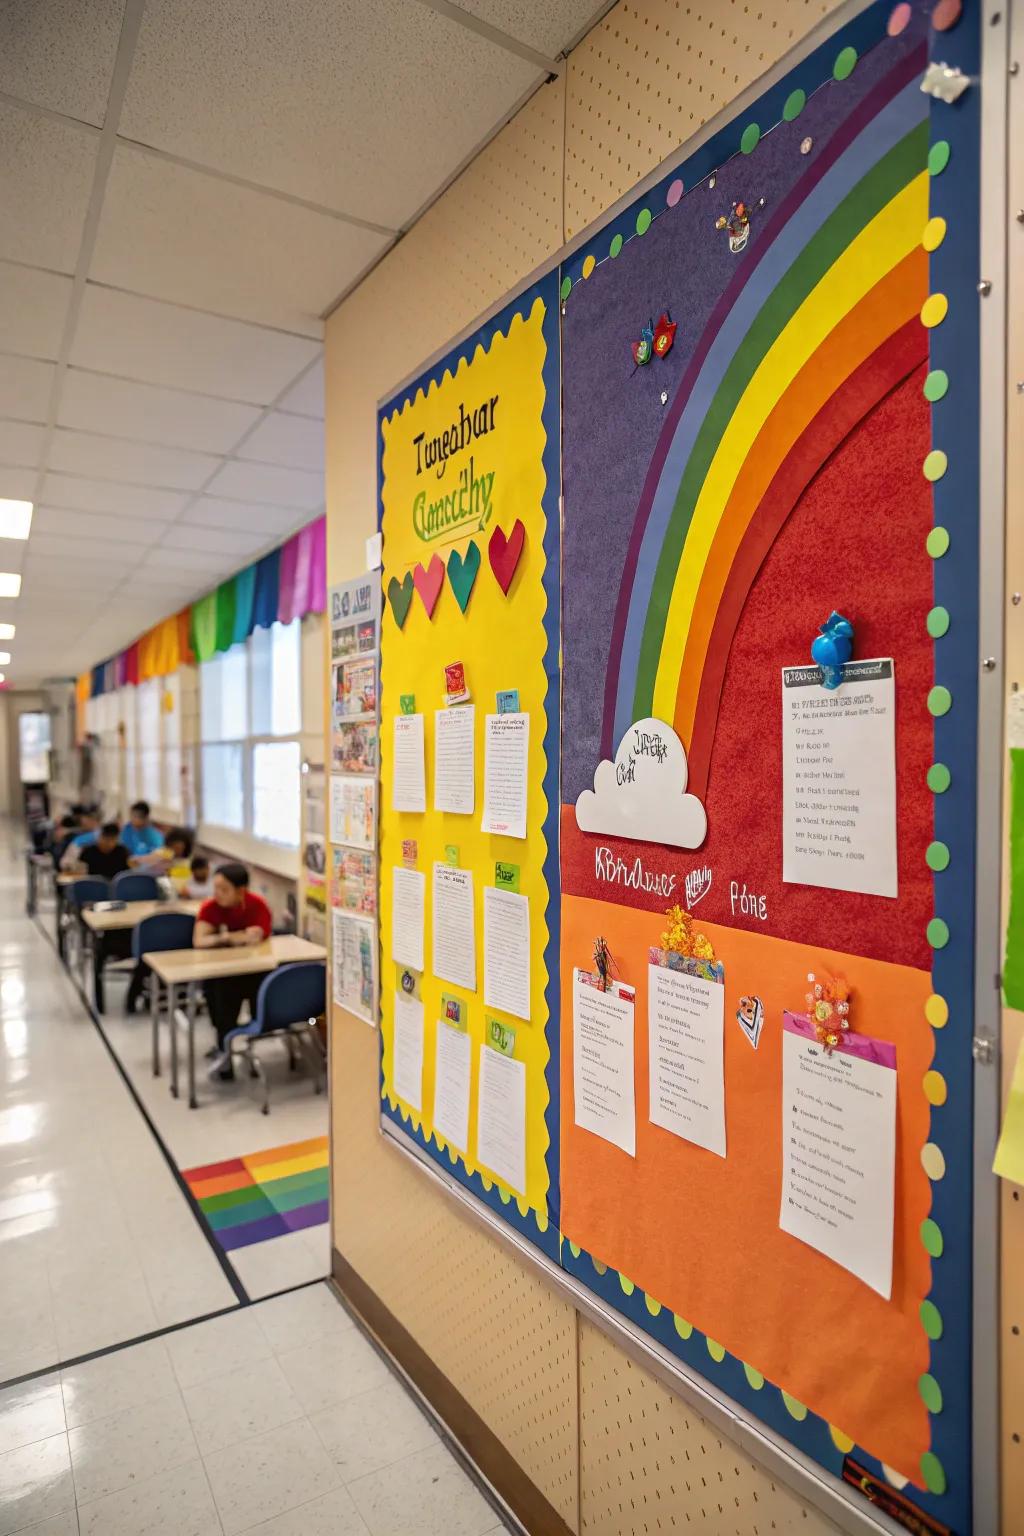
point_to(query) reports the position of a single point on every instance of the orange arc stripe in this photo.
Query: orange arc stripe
(294, 1149)
(221, 1184)
(879, 314)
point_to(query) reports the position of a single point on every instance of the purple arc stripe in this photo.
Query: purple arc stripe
(306, 1216)
(903, 74)
(251, 1232)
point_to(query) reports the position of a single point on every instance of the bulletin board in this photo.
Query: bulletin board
(769, 366)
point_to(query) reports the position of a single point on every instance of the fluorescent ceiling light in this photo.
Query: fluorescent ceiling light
(15, 518)
(10, 584)
(6, 631)
(5, 658)
(3, 677)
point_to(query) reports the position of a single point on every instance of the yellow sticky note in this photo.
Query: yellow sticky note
(1009, 1158)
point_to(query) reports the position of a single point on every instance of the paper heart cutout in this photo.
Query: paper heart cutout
(429, 583)
(462, 573)
(400, 596)
(504, 553)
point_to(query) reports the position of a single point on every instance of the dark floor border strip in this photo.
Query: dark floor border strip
(156, 1333)
(227, 1267)
(470, 1437)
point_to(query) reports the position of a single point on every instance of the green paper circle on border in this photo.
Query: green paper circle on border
(936, 384)
(933, 1473)
(795, 103)
(628, 1286)
(938, 157)
(940, 701)
(937, 933)
(755, 1378)
(682, 1327)
(846, 63)
(750, 138)
(935, 465)
(937, 542)
(930, 1393)
(931, 1237)
(794, 1408)
(715, 1350)
(938, 778)
(600, 1266)
(937, 856)
(937, 622)
(931, 1319)
(643, 221)
(615, 247)
(566, 287)
(574, 1249)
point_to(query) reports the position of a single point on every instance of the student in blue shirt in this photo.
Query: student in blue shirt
(88, 831)
(138, 834)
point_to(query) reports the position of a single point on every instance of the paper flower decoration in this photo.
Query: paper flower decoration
(643, 350)
(664, 336)
(682, 939)
(828, 1009)
(737, 223)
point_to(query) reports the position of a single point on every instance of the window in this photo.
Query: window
(148, 753)
(224, 785)
(276, 673)
(276, 768)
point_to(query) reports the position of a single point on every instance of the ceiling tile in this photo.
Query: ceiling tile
(33, 307)
(306, 398)
(214, 512)
(88, 495)
(259, 482)
(163, 344)
(94, 525)
(59, 550)
(547, 25)
(60, 54)
(296, 441)
(95, 403)
(25, 388)
(18, 484)
(20, 444)
(172, 560)
(12, 554)
(46, 171)
(362, 108)
(215, 540)
(172, 468)
(187, 237)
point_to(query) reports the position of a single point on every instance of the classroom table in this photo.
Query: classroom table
(34, 862)
(100, 922)
(188, 968)
(60, 888)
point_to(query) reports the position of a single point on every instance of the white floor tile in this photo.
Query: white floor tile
(302, 1318)
(130, 1447)
(33, 1411)
(176, 1503)
(333, 1369)
(332, 1515)
(373, 1430)
(213, 1348)
(426, 1494)
(240, 1404)
(269, 1474)
(277, 1265)
(35, 1483)
(61, 1525)
(128, 1378)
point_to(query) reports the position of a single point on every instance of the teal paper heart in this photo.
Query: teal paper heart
(462, 572)
(400, 597)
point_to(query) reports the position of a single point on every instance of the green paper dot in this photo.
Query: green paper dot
(796, 1410)
(937, 856)
(566, 287)
(937, 933)
(750, 138)
(938, 778)
(931, 1319)
(601, 1268)
(715, 1350)
(932, 1472)
(574, 1249)
(935, 465)
(643, 221)
(627, 1285)
(754, 1377)
(795, 103)
(682, 1327)
(936, 384)
(937, 542)
(938, 157)
(940, 700)
(938, 622)
(931, 1237)
(845, 64)
(615, 247)
(653, 1307)
(931, 1393)
(503, 1195)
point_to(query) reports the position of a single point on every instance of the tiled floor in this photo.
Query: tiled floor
(276, 1420)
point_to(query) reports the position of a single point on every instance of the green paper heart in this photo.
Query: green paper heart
(462, 573)
(400, 597)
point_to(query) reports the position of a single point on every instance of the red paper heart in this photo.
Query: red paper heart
(429, 583)
(504, 553)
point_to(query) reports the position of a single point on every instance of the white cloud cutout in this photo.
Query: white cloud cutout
(642, 795)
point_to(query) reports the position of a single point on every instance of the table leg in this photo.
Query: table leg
(191, 1014)
(154, 1019)
(99, 954)
(30, 897)
(59, 909)
(172, 1017)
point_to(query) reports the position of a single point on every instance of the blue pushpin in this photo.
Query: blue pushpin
(832, 648)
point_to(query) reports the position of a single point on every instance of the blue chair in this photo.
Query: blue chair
(160, 931)
(288, 1004)
(129, 886)
(82, 893)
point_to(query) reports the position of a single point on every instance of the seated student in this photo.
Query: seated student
(234, 916)
(199, 885)
(88, 831)
(175, 848)
(61, 837)
(140, 837)
(106, 857)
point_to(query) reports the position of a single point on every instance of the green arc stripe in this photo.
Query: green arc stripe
(313, 1178)
(292, 1199)
(238, 1215)
(885, 180)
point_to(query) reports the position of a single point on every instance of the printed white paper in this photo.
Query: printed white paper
(501, 1118)
(507, 951)
(353, 811)
(454, 926)
(686, 1031)
(354, 964)
(602, 1061)
(839, 779)
(407, 1051)
(408, 887)
(839, 1150)
(408, 771)
(506, 754)
(451, 1085)
(454, 760)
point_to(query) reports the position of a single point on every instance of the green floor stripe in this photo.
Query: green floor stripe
(313, 1178)
(293, 1199)
(240, 1214)
(230, 1197)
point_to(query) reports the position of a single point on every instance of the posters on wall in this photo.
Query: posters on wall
(354, 964)
(314, 854)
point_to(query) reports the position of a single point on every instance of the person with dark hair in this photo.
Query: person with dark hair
(199, 885)
(88, 831)
(62, 837)
(107, 856)
(234, 916)
(140, 837)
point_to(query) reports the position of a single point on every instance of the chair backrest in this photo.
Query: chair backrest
(89, 888)
(163, 930)
(130, 886)
(290, 994)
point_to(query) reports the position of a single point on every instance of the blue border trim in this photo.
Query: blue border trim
(546, 289)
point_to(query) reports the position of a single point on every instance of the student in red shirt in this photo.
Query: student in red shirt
(234, 917)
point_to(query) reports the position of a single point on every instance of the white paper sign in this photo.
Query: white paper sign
(407, 1050)
(353, 818)
(408, 887)
(839, 779)
(454, 926)
(454, 760)
(507, 951)
(506, 756)
(408, 771)
(686, 1029)
(602, 1061)
(839, 1149)
(451, 1085)
(501, 1118)
(354, 964)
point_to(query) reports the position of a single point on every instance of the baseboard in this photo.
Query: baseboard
(477, 1440)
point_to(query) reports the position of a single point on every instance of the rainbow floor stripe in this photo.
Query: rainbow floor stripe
(250, 1199)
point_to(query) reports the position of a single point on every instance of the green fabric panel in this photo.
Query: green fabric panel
(245, 591)
(204, 627)
(1013, 966)
(224, 599)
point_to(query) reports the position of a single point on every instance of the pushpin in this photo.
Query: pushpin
(832, 648)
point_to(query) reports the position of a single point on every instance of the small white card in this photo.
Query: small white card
(451, 1085)
(407, 1051)
(506, 758)
(507, 951)
(408, 770)
(454, 760)
(408, 889)
(686, 1032)
(602, 1060)
(454, 926)
(501, 1118)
